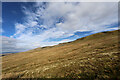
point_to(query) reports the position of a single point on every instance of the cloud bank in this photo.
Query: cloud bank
(9, 45)
(47, 24)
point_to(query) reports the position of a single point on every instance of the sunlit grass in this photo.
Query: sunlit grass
(95, 56)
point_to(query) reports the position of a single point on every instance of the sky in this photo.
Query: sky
(29, 25)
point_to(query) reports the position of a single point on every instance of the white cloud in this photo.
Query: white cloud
(34, 23)
(90, 17)
(9, 45)
(40, 25)
(1, 31)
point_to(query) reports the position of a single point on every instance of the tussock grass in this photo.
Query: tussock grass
(95, 57)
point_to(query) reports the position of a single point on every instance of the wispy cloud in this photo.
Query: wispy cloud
(47, 21)
(11, 44)
(1, 31)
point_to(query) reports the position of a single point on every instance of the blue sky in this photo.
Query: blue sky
(12, 13)
(28, 25)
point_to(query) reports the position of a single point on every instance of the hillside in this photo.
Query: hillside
(94, 57)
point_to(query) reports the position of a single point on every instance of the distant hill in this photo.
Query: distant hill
(8, 52)
(93, 57)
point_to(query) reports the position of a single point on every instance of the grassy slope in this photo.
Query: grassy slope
(94, 56)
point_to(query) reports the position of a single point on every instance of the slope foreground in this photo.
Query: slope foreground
(94, 57)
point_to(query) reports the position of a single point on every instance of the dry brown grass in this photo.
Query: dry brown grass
(95, 56)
